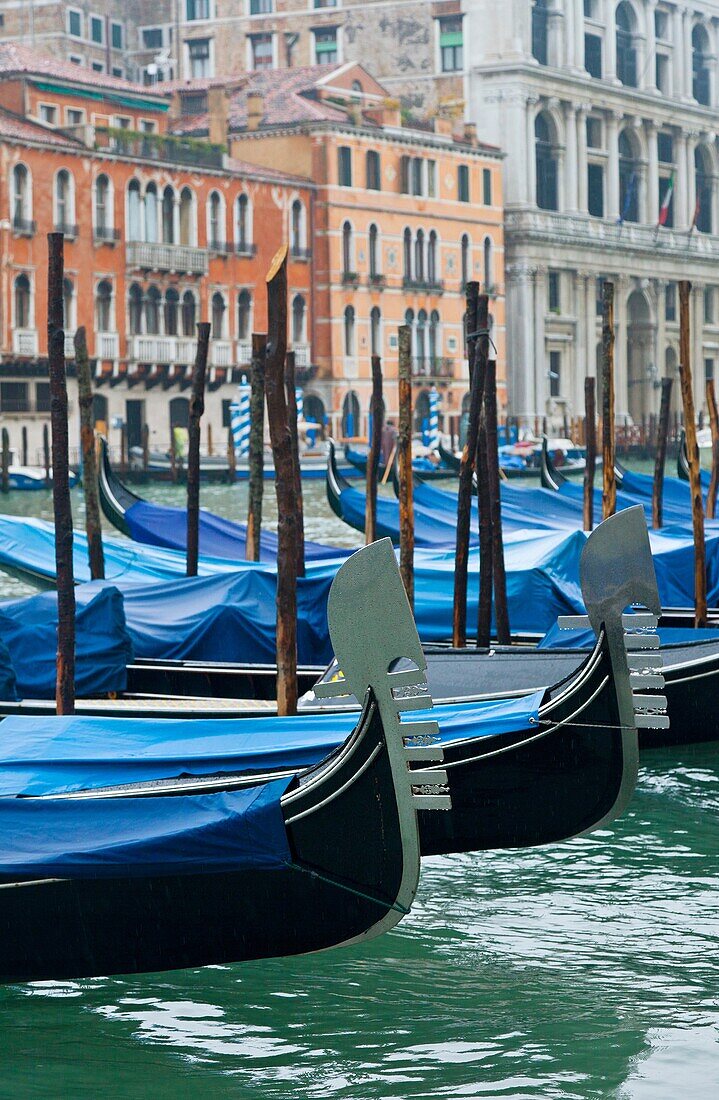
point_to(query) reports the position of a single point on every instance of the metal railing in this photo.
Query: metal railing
(167, 257)
(432, 367)
(105, 233)
(66, 228)
(302, 354)
(162, 147)
(23, 227)
(107, 345)
(24, 341)
(244, 248)
(244, 352)
(300, 253)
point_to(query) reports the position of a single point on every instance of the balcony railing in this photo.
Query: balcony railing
(221, 353)
(107, 345)
(302, 354)
(377, 281)
(105, 233)
(432, 367)
(152, 349)
(24, 228)
(67, 229)
(577, 229)
(161, 147)
(297, 253)
(244, 248)
(167, 257)
(24, 342)
(350, 278)
(219, 248)
(429, 286)
(244, 352)
(69, 346)
(186, 349)
(25, 407)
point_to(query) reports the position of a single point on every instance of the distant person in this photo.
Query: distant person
(389, 442)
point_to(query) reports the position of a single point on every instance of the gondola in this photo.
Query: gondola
(424, 466)
(189, 869)
(160, 467)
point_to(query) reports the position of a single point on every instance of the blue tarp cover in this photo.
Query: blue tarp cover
(584, 639)
(230, 831)
(103, 648)
(51, 755)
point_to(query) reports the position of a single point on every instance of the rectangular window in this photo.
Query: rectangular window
(344, 166)
(670, 302)
(432, 178)
(42, 397)
(98, 67)
(463, 183)
(260, 7)
(595, 190)
(118, 72)
(13, 397)
(487, 186)
(74, 23)
(664, 183)
(74, 116)
(708, 370)
(326, 49)
(662, 73)
(665, 148)
(122, 122)
(588, 9)
(152, 38)
(226, 412)
(553, 292)
(661, 25)
(374, 175)
(195, 104)
(262, 54)
(451, 49)
(48, 114)
(117, 35)
(197, 9)
(97, 29)
(324, 4)
(594, 133)
(147, 126)
(593, 55)
(404, 175)
(417, 176)
(199, 55)
(75, 60)
(598, 299)
(708, 305)
(555, 373)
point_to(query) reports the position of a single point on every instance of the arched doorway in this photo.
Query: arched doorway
(421, 411)
(640, 356)
(99, 413)
(314, 411)
(350, 415)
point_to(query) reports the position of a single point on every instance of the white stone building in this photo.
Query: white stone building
(602, 106)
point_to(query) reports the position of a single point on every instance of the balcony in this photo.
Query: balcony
(302, 355)
(21, 227)
(244, 352)
(24, 342)
(432, 367)
(69, 346)
(219, 248)
(350, 278)
(105, 234)
(68, 230)
(186, 349)
(424, 286)
(179, 258)
(303, 255)
(221, 353)
(26, 407)
(160, 147)
(245, 250)
(377, 282)
(152, 349)
(107, 345)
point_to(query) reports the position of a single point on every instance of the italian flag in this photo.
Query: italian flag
(666, 202)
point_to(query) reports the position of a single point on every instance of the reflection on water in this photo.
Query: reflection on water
(586, 969)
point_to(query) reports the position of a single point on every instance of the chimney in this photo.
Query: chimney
(442, 125)
(391, 113)
(218, 116)
(255, 110)
(470, 133)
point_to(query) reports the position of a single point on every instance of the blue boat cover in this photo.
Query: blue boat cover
(94, 837)
(584, 639)
(51, 755)
(103, 648)
(8, 680)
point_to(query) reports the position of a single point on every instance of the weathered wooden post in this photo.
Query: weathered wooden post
(145, 447)
(93, 526)
(256, 456)
(685, 378)
(404, 462)
(467, 468)
(714, 425)
(173, 455)
(291, 400)
(197, 407)
(377, 413)
(46, 453)
(24, 445)
(484, 506)
(590, 437)
(231, 458)
(5, 463)
(123, 448)
(284, 485)
(501, 609)
(210, 447)
(609, 484)
(65, 682)
(661, 455)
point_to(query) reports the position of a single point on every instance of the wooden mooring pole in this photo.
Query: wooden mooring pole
(5, 463)
(714, 425)
(284, 485)
(93, 525)
(24, 445)
(291, 399)
(231, 459)
(501, 609)
(590, 443)
(46, 453)
(197, 407)
(685, 378)
(609, 484)
(145, 447)
(404, 462)
(377, 412)
(65, 682)
(256, 455)
(660, 457)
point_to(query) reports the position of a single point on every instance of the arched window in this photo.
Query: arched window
(704, 190)
(189, 308)
(68, 305)
(540, 20)
(419, 256)
(135, 309)
(134, 212)
(373, 173)
(215, 226)
(347, 249)
(297, 228)
(465, 261)
(103, 306)
(244, 314)
(168, 216)
(350, 415)
(298, 319)
(432, 258)
(64, 206)
(546, 157)
(172, 309)
(243, 227)
(152, 311)
(188, 229)
(151, 227)
(409, 321)
(626, 52)
(218, 316)
(488, 265)
(629, 178)
(23, 318)
(421, 340)
(21, 206)
(103, 207)
(433, 341)
(349, 331)
(407, 253)
(701, 87)
(374, 260)
(375, 322)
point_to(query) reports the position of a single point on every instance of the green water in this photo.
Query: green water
(586, 969)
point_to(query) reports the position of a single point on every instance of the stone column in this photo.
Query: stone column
(697, 345)
(652, 172)
(541, 365)
(582, 187)
(682, 184)
(578, 34)
(571, 58)
(649, 68)
(691, 142)
(580, 370)
(621, 292)
(677, 52)
(613, 118)
(661, 326)
(610, 41)
(521, 357)
(687, 52)
(532, 101)
(571, 189)
(590, 312)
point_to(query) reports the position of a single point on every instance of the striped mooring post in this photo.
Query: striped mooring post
(433, 434)
(240, 419)
(300, 403)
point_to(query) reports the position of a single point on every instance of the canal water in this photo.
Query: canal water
(581, 970)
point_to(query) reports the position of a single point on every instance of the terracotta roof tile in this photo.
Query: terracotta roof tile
(26, 62)
(20, 129)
